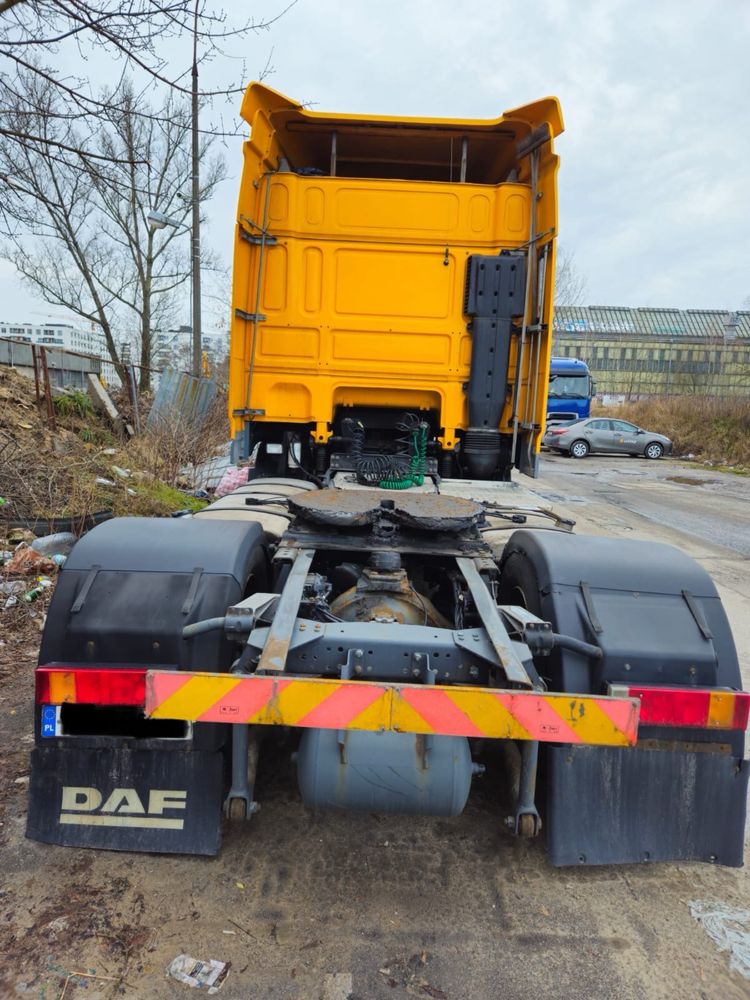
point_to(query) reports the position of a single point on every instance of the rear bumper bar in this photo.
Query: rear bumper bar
(321, 703)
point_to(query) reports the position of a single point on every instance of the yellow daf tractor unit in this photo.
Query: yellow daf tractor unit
(379, 596)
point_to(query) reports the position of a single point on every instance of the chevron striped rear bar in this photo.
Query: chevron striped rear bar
(321, 703)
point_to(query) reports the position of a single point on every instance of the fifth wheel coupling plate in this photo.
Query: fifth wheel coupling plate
(359, 508)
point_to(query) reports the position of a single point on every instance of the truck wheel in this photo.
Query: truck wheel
(654, 450)
(579, 449)
(519, 584)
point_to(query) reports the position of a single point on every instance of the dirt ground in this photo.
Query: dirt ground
(335, 906)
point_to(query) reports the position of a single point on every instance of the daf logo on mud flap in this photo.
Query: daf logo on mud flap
(83, 807)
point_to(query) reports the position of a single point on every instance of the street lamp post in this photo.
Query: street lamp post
(158, 220)
(196, 232)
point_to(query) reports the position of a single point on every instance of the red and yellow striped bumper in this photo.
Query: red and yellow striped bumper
(320, 703)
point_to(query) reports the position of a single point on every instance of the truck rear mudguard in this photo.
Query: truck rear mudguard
(680, 794)
(103, 776)
(116, 796)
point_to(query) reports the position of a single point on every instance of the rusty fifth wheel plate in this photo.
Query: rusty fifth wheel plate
(357, 508)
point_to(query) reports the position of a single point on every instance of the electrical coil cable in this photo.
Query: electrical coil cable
(414, 445)
(399, 471)
(370, 469)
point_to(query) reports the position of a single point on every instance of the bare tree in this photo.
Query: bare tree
(76, 228)
(149, 166)
(570, 285)
(36, 36)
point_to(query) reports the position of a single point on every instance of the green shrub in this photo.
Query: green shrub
(73, 404)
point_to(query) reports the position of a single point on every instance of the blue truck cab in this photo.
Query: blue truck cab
(571, 389)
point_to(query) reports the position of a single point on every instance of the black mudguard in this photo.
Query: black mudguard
(121, 799)
(124, 596)
(609, 805)
(680, 794)
(130, 586)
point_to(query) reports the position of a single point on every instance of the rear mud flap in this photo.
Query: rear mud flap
(612, 806)
(126, 800)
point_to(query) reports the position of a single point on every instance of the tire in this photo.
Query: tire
(579, 449)
(653, 450)
(519, 584)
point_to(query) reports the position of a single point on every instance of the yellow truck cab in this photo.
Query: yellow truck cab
(384, 265)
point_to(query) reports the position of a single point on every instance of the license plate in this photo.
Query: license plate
(50, 721)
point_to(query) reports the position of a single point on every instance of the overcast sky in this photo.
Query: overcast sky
(655, 157)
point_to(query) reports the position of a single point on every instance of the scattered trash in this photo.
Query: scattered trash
(77, 523)
(109, 451)
(5, 555)
(197, 973)
(60, 543)
(101, 481)
(232, 478)
(240, 885)
(122, 473)
(72, 976)
(200, 494)
(132, 493)
(18, 536)
(59, 559)
(12, 587)
(729, 929)
(26, 562)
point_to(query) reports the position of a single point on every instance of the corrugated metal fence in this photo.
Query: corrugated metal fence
(181, 395)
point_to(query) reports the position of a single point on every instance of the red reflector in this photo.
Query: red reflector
(90, 686)
(696, 708)
(741, 711)
(557, 432)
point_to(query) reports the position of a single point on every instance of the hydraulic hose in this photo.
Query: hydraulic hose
(577, 646)
(199, 628)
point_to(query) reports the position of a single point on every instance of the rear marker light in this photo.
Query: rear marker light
(691, 708)
(90, 686)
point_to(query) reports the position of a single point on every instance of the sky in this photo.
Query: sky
(655, 157)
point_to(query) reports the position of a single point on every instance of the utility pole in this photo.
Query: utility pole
(196, 230)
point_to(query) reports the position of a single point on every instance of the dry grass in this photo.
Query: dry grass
(175, 444)
(19, 618)
(716, 430)
(47, 474)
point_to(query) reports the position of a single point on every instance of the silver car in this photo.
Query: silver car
(598, 434)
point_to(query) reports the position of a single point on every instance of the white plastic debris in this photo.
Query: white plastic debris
(728, 928)
(197, 973)
(60, 543)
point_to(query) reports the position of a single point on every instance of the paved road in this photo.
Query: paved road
(698, 501)
(339, 906)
